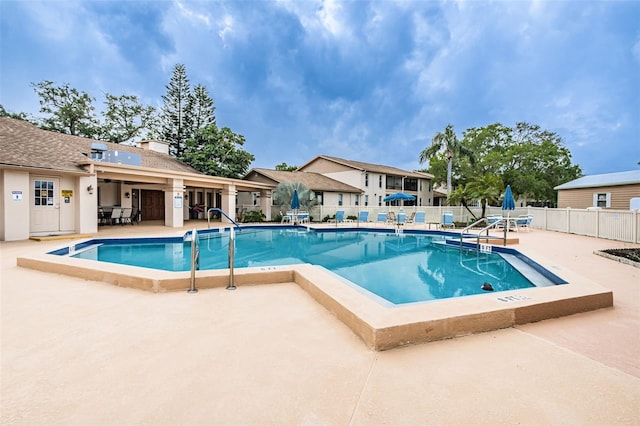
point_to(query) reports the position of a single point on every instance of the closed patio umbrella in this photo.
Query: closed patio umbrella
(295, 205)
(295, 201)
(508, 204)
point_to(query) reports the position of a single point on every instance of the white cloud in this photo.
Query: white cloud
(193, 16)
(226, 27)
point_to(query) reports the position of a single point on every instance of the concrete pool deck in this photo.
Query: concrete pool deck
(85, 352)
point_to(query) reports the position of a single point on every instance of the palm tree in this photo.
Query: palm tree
(486, 188)
(448, 142)
(461, 196)
(284, 192)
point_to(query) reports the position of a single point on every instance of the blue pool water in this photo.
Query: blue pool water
(405, 268)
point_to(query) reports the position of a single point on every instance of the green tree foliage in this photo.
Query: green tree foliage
(537, 162)
(18, 116)
(446, 143)
(126, 119)
(184, 111)
(283, 194)
(533, 161)
(176, 114)
(186, 120)
(202, 109)
(486, 188)
(218, 152)
(284, 167)
(71, 111)
(460, 196)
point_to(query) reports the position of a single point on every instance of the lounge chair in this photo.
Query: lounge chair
(496, 219)
(420, 217)
(391, 217)
(401, 218)
(382, 217)
(116, 214)
(339, 218)
(126, 216)
(411, 217)
(103, 216)
(524, 222)
(447, 220)
(303, 217)
(287, 217)
(363, 216)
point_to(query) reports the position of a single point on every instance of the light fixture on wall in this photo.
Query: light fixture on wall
(90, 189)
(127, 195)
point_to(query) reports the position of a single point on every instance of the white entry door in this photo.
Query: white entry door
(45, 205)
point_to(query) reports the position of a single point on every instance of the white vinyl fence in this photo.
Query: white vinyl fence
(620, 225)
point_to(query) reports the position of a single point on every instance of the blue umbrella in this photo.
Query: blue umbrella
(295, 201)
(508, 203)
(399, 196)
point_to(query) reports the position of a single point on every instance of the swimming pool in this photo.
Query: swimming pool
(399, 268)
(380, 324)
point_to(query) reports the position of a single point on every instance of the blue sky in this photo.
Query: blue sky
(367, 81)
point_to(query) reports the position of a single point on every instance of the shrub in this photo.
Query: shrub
(254, 216)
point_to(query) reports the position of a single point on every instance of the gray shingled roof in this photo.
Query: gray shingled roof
(313, 181)
(375, 168)
(22, 144)
(609, 179)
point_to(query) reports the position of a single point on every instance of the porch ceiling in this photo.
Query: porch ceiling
(155, 176)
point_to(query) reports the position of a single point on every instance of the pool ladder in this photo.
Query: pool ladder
(195, 259)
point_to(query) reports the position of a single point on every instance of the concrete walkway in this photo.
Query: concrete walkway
(78, 352)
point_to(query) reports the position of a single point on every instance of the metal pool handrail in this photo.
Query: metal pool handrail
(215, 209)
(232, 239)
(486, 228)
(195, 260)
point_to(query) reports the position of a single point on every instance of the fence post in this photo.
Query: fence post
(597, 222)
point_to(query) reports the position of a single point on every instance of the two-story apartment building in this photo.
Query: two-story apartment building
(327, 191)
(352, 186)
(374, 180)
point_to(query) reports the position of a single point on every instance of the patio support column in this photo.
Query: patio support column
(173, 203)
(229, 193)
(87, 204)
(265, 203)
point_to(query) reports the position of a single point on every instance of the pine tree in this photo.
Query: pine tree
(176, 116)
(202, 109)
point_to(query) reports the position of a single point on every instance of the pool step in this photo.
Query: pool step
(528, 271)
